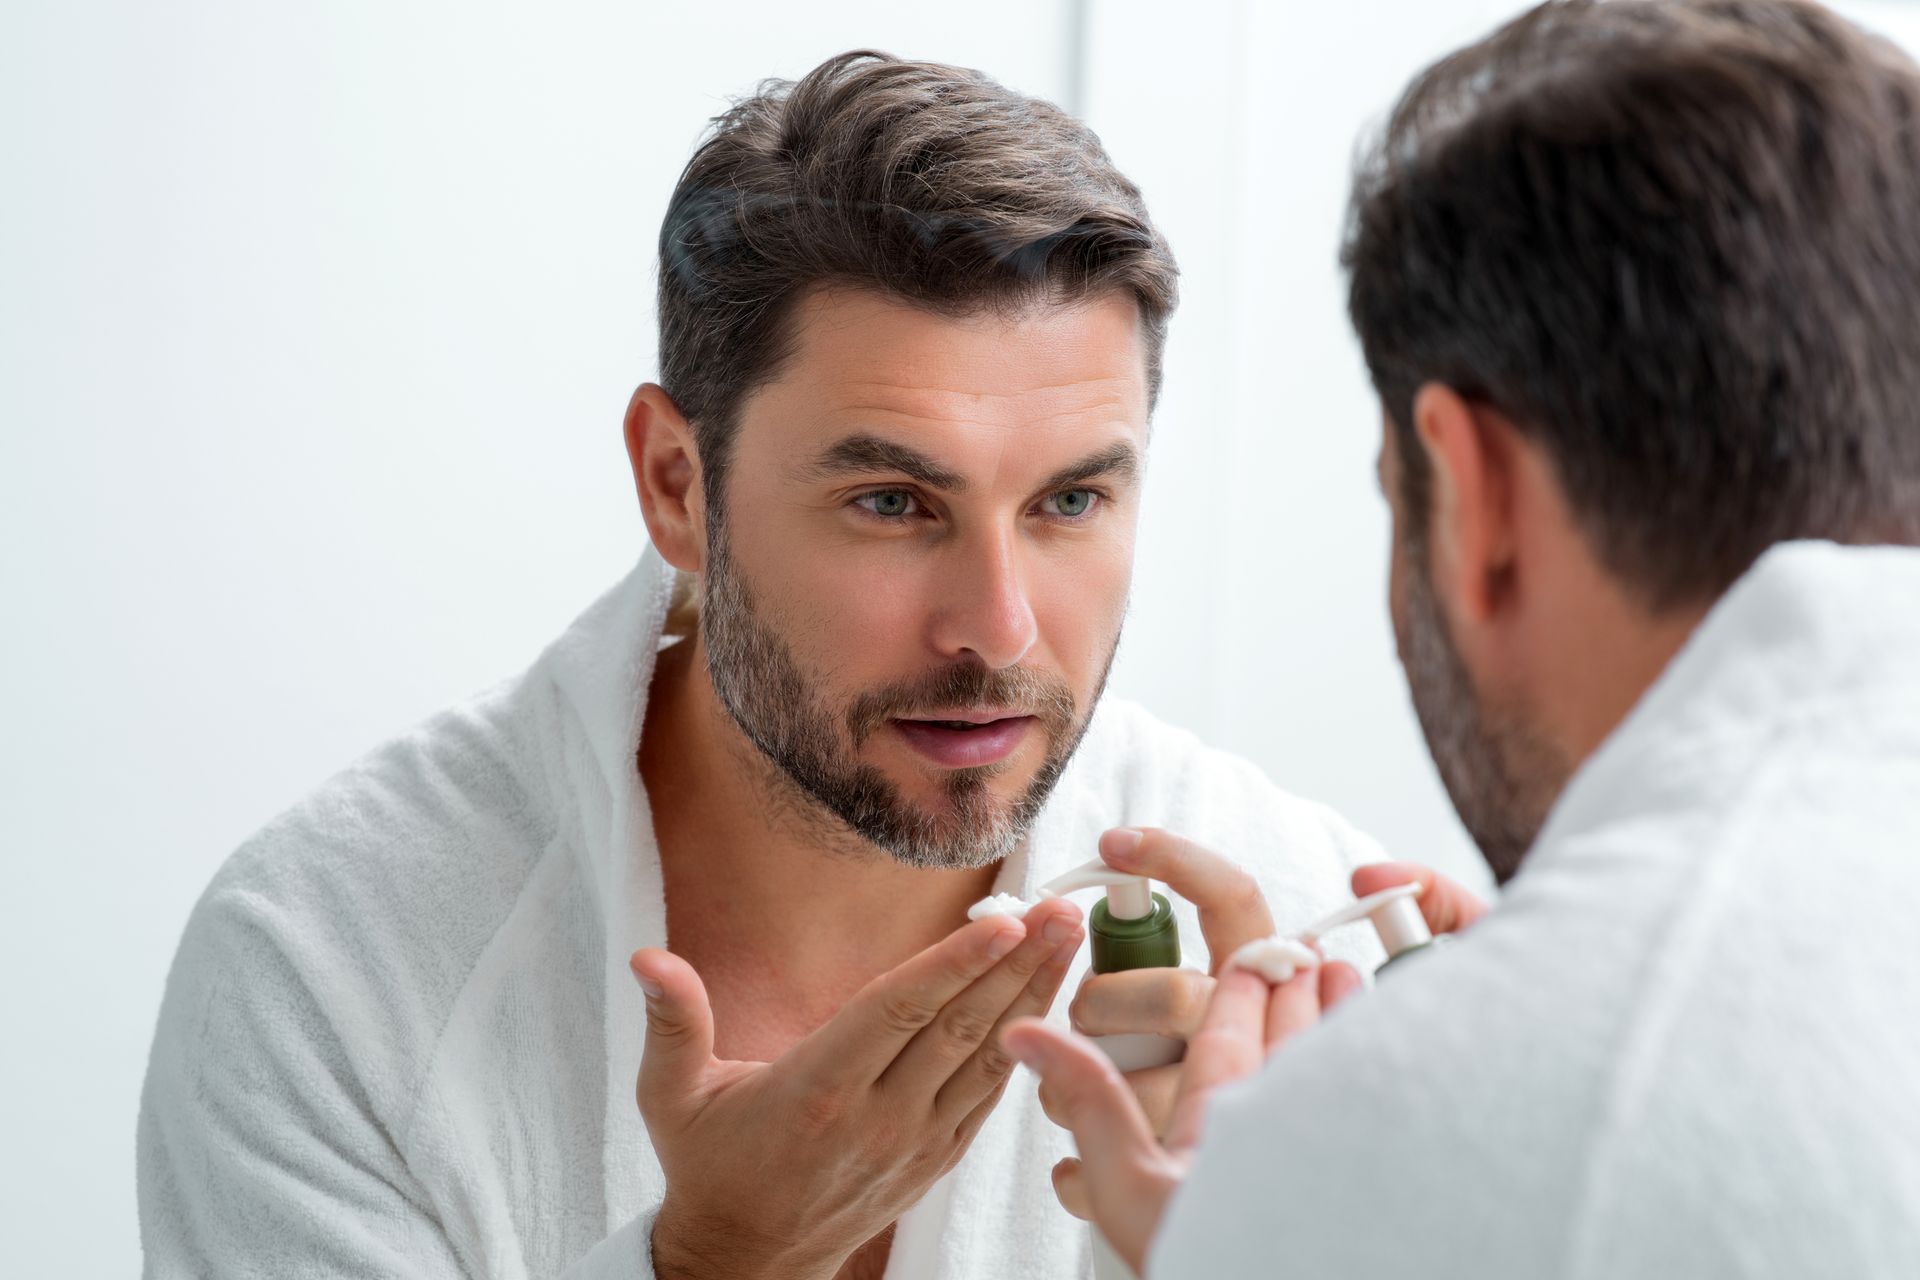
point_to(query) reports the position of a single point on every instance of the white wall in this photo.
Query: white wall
(316, 323)
(316, 327)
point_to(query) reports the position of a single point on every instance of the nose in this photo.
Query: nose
(981, 607)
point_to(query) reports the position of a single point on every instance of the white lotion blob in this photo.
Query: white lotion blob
(1275, 959)
(1000, 904)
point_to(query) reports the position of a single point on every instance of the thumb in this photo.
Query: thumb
(1448, 907)
(679, 1043)
(1126, 1176)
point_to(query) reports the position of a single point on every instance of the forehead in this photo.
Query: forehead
(1061, 368)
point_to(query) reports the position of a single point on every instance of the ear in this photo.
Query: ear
(1470, 452)
(666, 474)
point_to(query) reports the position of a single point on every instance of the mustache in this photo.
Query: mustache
(1045, 697)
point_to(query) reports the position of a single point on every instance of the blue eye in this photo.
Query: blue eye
(890, 504)
(1071, 503)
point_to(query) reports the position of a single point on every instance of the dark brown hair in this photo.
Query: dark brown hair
(927, 183)
(1678, 244)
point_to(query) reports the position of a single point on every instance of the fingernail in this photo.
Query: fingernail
(649, 985)
(1003, 942)
(1119, 844)
(1060, 928)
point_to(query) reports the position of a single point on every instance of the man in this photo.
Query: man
(910, 335)
(1638, 284)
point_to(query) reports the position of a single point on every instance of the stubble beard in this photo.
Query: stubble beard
(1502, 774)
(813, 749)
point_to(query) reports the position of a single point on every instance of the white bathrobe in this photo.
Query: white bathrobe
(1686, 1043)
(400, 1037)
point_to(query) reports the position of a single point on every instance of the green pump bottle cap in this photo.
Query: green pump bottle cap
(1133, 928)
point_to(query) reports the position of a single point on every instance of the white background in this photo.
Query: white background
(316, 326)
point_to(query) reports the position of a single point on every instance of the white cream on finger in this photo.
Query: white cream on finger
(1000, 904)
(1275, 959)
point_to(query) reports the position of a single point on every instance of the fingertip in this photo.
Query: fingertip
(1027, 1039)
(1064, 908)
(1119, 847)
(1050, 909)
(1002, 940)
(1069, 1188)
(645, 966)
(990, 936)
(1375, 876)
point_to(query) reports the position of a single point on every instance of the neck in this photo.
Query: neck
(754, 869)
(1606, 651)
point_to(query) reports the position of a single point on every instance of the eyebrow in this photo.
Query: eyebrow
(1119, 460)
(858, 454)
(866, 453)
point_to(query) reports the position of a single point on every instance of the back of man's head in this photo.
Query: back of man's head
(1678, 245)
(930, 184)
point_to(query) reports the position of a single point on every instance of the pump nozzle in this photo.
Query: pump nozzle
(1128, 897)
(1133, 928)
(1395, 915)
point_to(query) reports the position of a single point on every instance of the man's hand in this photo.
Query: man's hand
(1128, 1175)
(1448, 908)
(1129, 1171)
(786, 1168)
(1167, 1002)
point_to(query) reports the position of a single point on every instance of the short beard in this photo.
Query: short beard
(1502, 774)
(779, 710)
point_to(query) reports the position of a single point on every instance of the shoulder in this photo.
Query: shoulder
(1455, 1106)
(356, 917)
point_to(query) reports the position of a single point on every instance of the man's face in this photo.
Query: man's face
(1501, 772)
(916, 578)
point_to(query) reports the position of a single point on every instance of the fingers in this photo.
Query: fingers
(1447, 906)
(1090, 1097)
(1167, 1002)
(1127, 1177)
(1230, 1046)
(1153, 1087)
(940, 1057)
(1232, 909)
(1070, 1189)
(1338, 980)
(1293, 1006)
(679, 1043)
(860, 1042)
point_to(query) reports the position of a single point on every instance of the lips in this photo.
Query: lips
(964, 741)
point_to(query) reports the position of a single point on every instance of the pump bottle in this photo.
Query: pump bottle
(1395, 916)
(1132, 927)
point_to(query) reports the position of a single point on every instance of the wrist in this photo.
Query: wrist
(689, 1247)
(683, 1254)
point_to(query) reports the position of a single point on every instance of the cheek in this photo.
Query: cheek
(1396, 581)
(1400, 584)
(847, 621)
(1079, 606)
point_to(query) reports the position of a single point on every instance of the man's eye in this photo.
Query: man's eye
(889, 503)
(1071, 503)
